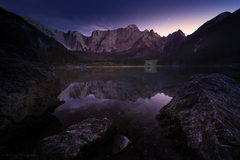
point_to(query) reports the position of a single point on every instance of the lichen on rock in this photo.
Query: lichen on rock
(203, 118)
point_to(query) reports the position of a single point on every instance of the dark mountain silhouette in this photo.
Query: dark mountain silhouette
(215, 42)
(20, 38)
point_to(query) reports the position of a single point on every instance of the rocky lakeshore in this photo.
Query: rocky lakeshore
(203, 119)
(70, 67)
(80, 140)
(112, 116)
(28, 89)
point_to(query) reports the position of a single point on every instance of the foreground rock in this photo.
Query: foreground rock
(28, 85)
(120, 142)
(203, 119)
(78, 141)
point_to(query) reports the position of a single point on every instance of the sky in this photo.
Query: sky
(85, 16)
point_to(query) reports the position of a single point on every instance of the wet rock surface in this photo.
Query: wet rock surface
(26, 90)
(135, 121)
(203, 118)
(78, 141)
(120, 142)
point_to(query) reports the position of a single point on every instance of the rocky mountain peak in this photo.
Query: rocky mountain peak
(132, 26)
(179, 32)
(129, 40)
(173, 41)
(153, 34)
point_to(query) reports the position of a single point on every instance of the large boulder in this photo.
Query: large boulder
(28, 87)
(78, 141)
(27, 90)
(203, 119)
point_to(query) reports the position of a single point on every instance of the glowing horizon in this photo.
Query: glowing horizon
(164, 17)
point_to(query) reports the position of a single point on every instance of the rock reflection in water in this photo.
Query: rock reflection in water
(129, 89)
(136, 121)
(128, 97)
(120, 112)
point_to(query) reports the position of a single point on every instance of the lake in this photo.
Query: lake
(130, 97)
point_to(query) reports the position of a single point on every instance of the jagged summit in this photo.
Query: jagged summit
(133, 26)
(180, 32)
(129, 40)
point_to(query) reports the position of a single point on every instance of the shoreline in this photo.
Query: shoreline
(236, 66)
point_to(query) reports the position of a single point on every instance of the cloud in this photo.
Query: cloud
(88, 27)
(83, 25)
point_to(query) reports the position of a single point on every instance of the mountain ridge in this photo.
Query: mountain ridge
(207, 44)
(129, 41)
(218, 43)
(213, 21)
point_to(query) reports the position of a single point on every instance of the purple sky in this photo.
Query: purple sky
(85, 16)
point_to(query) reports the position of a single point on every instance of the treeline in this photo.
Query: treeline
(65, 57)
(61, 57)
(114, 62)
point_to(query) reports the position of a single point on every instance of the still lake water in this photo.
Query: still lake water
(130, 98)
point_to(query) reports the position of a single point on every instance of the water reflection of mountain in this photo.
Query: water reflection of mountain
(143, 110)
(128, 84)
(128, 89)
(125, 97)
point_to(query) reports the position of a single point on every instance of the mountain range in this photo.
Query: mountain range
(216, 41)
(129, 42)
(28, 87)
